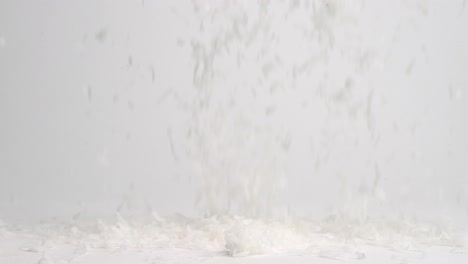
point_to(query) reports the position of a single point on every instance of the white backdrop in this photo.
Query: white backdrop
(95, 107)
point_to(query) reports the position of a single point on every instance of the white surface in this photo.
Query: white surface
(223, 239)
(18, 250)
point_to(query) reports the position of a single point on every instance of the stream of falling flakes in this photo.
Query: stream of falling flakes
(255, 66)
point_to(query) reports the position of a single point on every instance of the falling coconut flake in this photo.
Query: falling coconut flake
(101, 35)
(2, 42)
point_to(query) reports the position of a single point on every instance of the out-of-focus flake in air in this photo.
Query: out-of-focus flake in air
(89, 93)
(455, 93)
(2, 42)
(101, 35)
